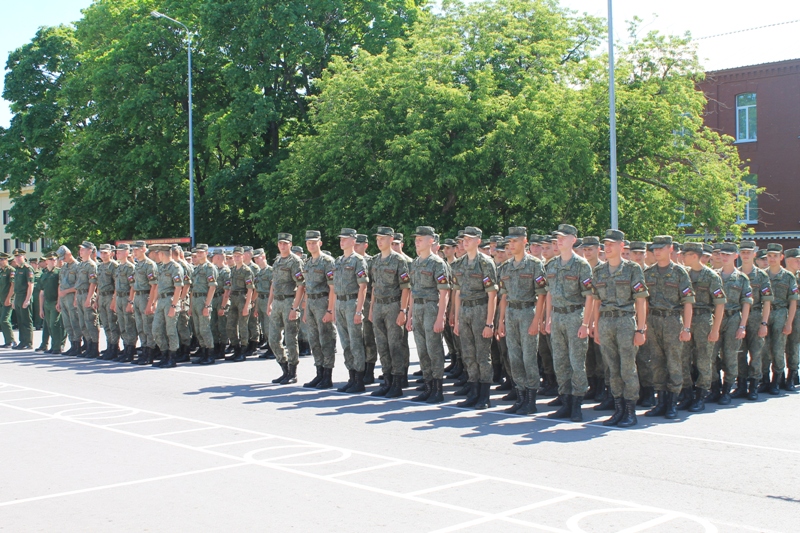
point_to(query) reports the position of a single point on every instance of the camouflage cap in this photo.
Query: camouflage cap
(748, 245)
(614, 235)
(398, 237)
(460, 234)
(175, 247)
(591, 241)
(716, 246)
(533, 238)
(729, 248)
(500, 246)
(638, 246)
(516, 232)
(313, 235)
(484, 245)
(247, 249)
(660, 241)
(472, 231)
(774, 248)
(792, 252)
(495, 238)
(449, 242)
(424, 231)
(693, 247)
(200, 247)
(678, 247)
(551, 238)
(139, 244)
(626, 244)
(361, 238)
(436, 238)
(347, 233)
(62, 251)
(258, 252)
(566, 229)
(88, 245)
(761, 254)
(123, 247)
(238, 250)
(216, 251)
(106, 248)
(385, 231)
(284, 237)
(707, 249)
(297, 249)
(577, 244)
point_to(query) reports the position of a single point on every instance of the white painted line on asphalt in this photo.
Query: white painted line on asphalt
(234, 442)
(23, 421)
(165, 417)
(506, 514)
(714, 441)
(118, 485)
(59, 405)
(574, 521)
(182, 431)
(447, 486)
(647, 525)
(31, 398)
(366, 469)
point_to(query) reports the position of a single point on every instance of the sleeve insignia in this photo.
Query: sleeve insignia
(329, 275)
(587, 283)
(361, 273)
(442, 279)
(687, 291)
(487, 282)
(404, 276)
(638, 287)
(766, 291)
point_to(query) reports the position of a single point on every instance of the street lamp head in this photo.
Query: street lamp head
(156, 14)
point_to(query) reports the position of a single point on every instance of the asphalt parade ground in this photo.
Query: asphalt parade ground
(89, 445)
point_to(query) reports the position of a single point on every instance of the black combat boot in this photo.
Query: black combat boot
(521, 398)
(774, 388)
(327, 379)
(630, 415)
(497, 373)
(464, 390)
(715, 394)
(425, 393)
(238, 355)
(741, 389)
(458, 366)
(725, 397)
(314, 382)
(209, 358)
(619, 413)
(349, 383)
(608, 401)
(552, 388)
(462, 379)
(752, 389)
(369, 373)
(790, 381)
(385, 387)
(291, 375)
(699, 402)
(601, 391)
(576, 415)
(556, 402)
(483, 401)
(529, 407)
(685, 399)
(404, 378)
(661, 405)
(250, 349)
(672, 406)
(285, 372)
(647, 399)
(764, 385)
(565, 411)
(436, 392)
(592, 390)
(168, 361)
(472, 395)
(396, 391)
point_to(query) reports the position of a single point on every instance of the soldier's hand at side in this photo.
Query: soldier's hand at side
(638, 339)
(328, 318)
(246, 312)
(269, 310)
(410, 324)
(455, 329)
(487, 332)
(171, 312)
(438, 326)
(547, 327)
(150, 310)
(25, 304)
(189, 310)
(206, 311)
(533, 329)
(58, 306)
(713, 336)
(221, 312)
(685, 336)
(357, 319)
(787, 329)
(740, 333)
(762, 331)
(583, 332)
(129, 308)
(501, 330)
(401, 319)
(452, 321)
(113, 306)
(292, 315)
(41, 313)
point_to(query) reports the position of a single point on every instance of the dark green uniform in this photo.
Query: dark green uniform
(48, 283)
(38, 323)
(6, 280)
(23, 278)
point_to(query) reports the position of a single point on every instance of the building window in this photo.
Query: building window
(18, 244)
(746, 117)
(6, 216)
(750, 215)
(34, 246)
(7, 246)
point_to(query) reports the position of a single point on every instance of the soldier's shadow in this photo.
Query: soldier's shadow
(64, 363)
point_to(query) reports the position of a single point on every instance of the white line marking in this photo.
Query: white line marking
(135, 421)
(59, 405)
(182, 431)
(574, 521)
(234, 442)
(447, 486)
(650, 523)
(30, 398)
(117, 485)
(506, 514)
(23, 421)
(366, 469)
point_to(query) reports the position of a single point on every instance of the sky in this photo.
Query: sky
(20, 19)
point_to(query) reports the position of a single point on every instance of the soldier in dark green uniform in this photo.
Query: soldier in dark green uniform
(668, 324)
(475, 302)
(286, 297)
(523, 291)
(38, 322)
(23, 292)
(6, 296)
(48, 300)
(318, 311)
(350, 278)
(757, 322)
(620, 325)
(784, 307)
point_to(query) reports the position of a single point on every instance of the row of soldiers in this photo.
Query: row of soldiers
(621, 322)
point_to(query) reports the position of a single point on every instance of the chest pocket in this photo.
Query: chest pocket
(623, 288)
(672, 290)
(702, 292)
(781, 290)
(388, 275)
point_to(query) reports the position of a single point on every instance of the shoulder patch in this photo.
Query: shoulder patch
(638, 287)
(487, 281)
(587, 283)
(404, 276)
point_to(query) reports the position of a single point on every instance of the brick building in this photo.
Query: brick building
(759, 106)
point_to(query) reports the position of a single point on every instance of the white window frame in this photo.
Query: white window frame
(747, 110)
(750, 215)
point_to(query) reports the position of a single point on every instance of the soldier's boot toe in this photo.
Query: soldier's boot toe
(327, 379)
(629, 419)
(369, 373)
(608, 402)
(436, 395)
(284, 370)
(291, 375)
(576, 414)
(519, 403)
(396, 391)
(314, 382)
(472, 395)
(619, 413)
(725, 397)
(565, 411)
(661, 405)
(483, 401)
(672, 406)
(426, 393)
(529, 407)
(384, 388)
(349, 383)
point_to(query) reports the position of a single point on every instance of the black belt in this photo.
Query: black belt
(731, 312)
(106, 293)
(701, 312)
(615, 313)
(345, 297)
(755, 308)
(199, 294)
(421, 301)
(166, 295)
(238, 293)
(567, 309)
(665, 312)
(522, 305)
(474, 303)
(263, 296)
(282, 297)
(83, 291)
(387, 300)
(141, 292)
(317, 296)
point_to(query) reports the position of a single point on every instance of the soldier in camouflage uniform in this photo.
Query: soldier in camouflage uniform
(286, 296)
(318, 312)
(106, 287)
(739, 295)
(184, 327)
(668, 325)
(644, 366)
(784, 306)
(204, 286)
(240, 298)
(219, 304)
(757, 322)
(475, 302)
(792, 259)
(145, 291)
(595, 367)
(549, 386)
(570, 303)
(262, 282)
(170, 283)
(350, 278)
(253, 325)
(122, 303)
(523, 291)
(86, 300)
(620, 325)
(67, 279)
(370, 345)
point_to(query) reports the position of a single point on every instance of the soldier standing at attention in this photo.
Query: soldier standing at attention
(318, 311)
(596, 371)
(475, 302)
(644, 367)
(549, 385)
(204, 286)
(350, 277)
(784, 306)
(430, 289)
(397, 246)
(184, 328)
(792, 260)
(523, 290)
(370, 345)
(253, 321)
(757, 323)
(6, 294)
(165, 322)
(262, 283)
(22, 290)
(388, 309)
(449, 255)
(67, 279)
(86, 301)
(122, 303)
(48, 302)
(283, 307)
(670, 289)
(570, 304)
(620, 325)
(241, 297)
(106, 281)
(219, 322)
(145, 294)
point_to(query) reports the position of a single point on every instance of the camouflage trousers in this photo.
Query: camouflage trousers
(321, 335)
(125, 321)
(775, 344)
(184, 323)
(666, 352)
(389, 337)
(752, 345)
(202, 323)
(616, 338)
(144, 322)
(569, 353)
(87, 317)
(219, 324)
(595, 365)
(474, 348)
(237, 324)
(726, 350)
(351, 335)
(546, 353)
(108, 318)
(644, 366)
(793, 344)
(263, 319)
(699, 352)
(165, 327)
(279, 322)
(429, 343)
(370, 345)
(69, 317)
(523, 347)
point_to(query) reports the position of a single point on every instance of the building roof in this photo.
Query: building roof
(787, 66)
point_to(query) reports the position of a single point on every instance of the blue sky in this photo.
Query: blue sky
(19, 20)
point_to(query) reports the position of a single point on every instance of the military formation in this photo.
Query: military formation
(662, 326)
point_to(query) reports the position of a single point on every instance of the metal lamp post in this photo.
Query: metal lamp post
(612, 122)
(189, 34)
